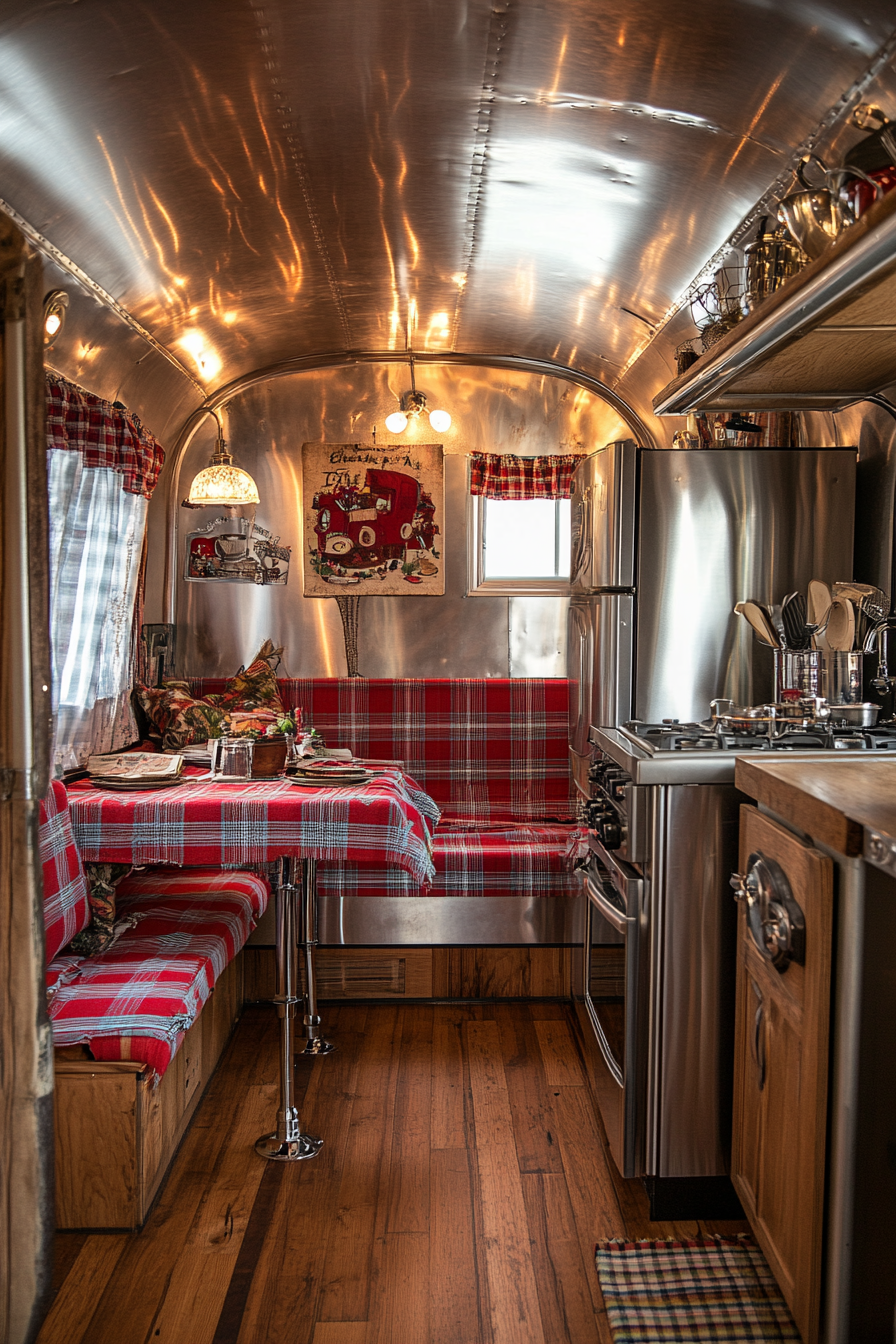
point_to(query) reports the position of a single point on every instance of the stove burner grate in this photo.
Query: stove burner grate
(673, 736)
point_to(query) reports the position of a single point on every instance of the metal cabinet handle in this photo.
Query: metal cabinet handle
(774, 918)
(757, 1042)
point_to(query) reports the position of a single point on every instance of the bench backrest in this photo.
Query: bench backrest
(66, 904)
(487, 750)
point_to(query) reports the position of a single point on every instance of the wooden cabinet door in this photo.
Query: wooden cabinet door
(781, 1075)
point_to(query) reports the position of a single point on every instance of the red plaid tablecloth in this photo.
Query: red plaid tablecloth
(203, 823)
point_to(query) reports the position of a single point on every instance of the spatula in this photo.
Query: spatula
(841, 630)
(760, 622)
(793, 615)
(817, 608)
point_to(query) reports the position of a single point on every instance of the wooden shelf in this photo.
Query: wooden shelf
(825, 339)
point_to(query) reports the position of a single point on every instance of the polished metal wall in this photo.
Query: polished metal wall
(220, 625)
(255, 181)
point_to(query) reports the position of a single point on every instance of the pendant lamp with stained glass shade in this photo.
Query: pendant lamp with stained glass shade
(221, 485)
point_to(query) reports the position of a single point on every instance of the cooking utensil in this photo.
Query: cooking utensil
(871, 604)
(855, 716)
(797, 670)
(793, 614)
(760, 621)
(747, 720)
(816, 215)
(841, 628)
(818, 607)
(875, 155)
(769, 260)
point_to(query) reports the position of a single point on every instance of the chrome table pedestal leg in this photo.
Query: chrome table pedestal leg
(314, 1042)
(288, 1143)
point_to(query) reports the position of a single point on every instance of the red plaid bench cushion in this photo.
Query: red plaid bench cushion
(525, 861)
(138, 998)
(488, 750)
(66, 904)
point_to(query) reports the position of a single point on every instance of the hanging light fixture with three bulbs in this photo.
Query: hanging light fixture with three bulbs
(221, 484)
(412, 406)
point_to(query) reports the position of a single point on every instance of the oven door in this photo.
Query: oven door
(616, 999)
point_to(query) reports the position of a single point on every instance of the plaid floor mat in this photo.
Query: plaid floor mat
(691, 1292)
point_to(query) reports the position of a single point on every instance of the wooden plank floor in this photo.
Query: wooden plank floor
(462, 1184)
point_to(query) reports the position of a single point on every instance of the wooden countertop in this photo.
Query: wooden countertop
(831, 800)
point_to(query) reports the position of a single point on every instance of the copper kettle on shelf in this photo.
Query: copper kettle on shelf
(818, 213)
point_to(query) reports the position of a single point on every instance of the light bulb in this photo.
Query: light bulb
(440, 421)
(396, 422)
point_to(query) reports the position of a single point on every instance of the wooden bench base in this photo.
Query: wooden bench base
(116, 1135)
(424, 972)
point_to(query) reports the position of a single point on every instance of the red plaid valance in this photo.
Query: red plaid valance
(503, 476)
(106, 435)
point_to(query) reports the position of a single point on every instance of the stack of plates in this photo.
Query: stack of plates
(330, 774)
(130, 785)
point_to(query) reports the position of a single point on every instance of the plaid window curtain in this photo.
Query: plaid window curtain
(503, 476)
(105, 433)
(102, 467)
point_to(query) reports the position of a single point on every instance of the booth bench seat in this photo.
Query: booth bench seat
(138, 1028)
(493, 754)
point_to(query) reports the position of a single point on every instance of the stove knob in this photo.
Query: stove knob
(594, 813)
(611, 834)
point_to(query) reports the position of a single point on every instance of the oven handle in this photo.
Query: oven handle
(627, 882)
(609, 911)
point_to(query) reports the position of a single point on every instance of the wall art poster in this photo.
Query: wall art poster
(236, 550)
(373, 519)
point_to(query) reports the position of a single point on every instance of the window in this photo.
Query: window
(102, 468)
(518, 546)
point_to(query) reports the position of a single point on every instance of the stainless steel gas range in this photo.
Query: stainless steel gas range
(662, 821)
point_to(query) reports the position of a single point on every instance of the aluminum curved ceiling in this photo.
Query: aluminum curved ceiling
(259, 180)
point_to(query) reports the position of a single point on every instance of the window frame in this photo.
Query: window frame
(478, 585)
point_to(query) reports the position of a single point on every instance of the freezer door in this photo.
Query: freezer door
(718, 527)
(603, 519)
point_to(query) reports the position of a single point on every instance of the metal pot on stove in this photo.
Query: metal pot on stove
(743, 720)
(768, 720)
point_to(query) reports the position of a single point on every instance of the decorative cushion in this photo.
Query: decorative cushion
(179, 719)
(66, 905)
(137, 999)
(182, 718)
(256, 687)
(523, 861)
(102, 879)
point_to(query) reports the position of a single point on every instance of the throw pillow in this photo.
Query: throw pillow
(102, 879)
(255, 686)
(182, 719)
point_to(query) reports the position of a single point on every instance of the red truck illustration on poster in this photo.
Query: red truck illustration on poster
(372, 519)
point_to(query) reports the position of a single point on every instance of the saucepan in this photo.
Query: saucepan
(743, 720)
(855, 716)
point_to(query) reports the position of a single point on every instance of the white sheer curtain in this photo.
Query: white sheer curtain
(96, 540)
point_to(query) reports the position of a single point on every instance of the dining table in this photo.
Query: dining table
(277, 824)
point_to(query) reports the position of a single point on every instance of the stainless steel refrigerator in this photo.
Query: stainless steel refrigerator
(663, 545)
